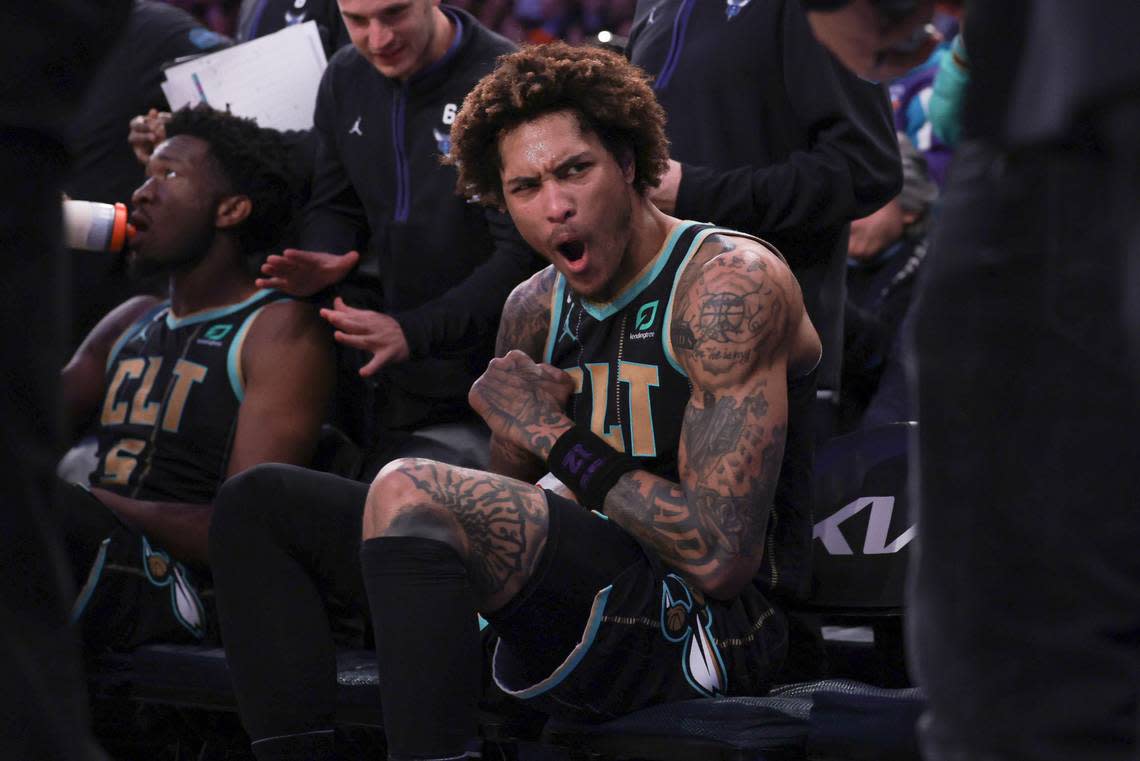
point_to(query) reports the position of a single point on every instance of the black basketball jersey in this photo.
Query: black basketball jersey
(174, 386)
(632, 391)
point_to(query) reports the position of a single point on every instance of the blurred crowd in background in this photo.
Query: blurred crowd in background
(518, 20)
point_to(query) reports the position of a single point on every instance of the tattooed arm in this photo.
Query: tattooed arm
(738, 325)
(523, 327)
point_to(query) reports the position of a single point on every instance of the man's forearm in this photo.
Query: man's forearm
(715, 539)
(180, 528)
(512, 461)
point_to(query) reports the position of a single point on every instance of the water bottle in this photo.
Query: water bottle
(91, 226)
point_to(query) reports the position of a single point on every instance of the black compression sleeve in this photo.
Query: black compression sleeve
(427, 645)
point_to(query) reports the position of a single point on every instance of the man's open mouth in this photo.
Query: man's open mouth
(572, 250)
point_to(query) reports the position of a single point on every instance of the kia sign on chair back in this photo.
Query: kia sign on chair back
(863, 525)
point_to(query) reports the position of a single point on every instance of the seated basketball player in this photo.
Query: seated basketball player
(662, 371)
(187, 391)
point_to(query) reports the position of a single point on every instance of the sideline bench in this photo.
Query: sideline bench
(863, 534)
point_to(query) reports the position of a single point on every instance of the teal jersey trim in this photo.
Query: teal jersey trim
(589, 634)
(173, 322)
(92, 582)
(557, 307)
(666, 325)
(604, 311)
(233, 358)
(138, 326)
(667, 321)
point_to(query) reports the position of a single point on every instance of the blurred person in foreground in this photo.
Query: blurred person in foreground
(1025, 603)
(48, 53)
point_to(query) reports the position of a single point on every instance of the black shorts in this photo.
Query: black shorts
(626, 632)
(132, 591)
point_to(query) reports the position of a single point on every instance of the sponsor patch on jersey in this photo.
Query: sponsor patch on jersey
(643, 322)
(216, 334)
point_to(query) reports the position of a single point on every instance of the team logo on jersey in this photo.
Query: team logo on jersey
(295, 18)
(686, 620)
(646, 316)
(442, 141)
(355, 128)
(734, 7)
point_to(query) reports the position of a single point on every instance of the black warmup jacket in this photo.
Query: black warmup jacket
(257, 18)
(445, 266)
(775, 138)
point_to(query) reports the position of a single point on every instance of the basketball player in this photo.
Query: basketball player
(661, 371)
(187, 391)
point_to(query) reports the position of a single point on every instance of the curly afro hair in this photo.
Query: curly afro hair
(252, 161)
(611, 97)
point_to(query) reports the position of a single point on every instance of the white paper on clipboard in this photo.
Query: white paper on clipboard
(273, 79)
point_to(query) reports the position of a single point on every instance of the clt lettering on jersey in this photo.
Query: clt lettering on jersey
(628, 389)
(174, 387)
(640, 379)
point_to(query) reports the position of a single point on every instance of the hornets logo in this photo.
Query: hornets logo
(442, 141)
(685, 619)
(161, 571)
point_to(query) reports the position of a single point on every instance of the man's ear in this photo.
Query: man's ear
(232, 211)
(625, 161)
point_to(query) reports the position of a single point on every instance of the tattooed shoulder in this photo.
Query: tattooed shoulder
(526, 316)
(735, 304)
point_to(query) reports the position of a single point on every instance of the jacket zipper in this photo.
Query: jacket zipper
(680, 24)
(403, 179)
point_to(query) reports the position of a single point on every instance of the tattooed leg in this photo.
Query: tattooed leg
(496, 524)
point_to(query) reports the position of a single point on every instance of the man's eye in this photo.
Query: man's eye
(577, 168)
(169, 174)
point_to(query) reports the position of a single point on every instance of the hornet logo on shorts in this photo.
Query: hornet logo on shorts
(685, 619)
(161, 571)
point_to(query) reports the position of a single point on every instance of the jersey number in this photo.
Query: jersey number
(121, 461)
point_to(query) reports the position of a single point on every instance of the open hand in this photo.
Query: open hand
(147, 131)
(303, 273)
(523, 402)
(664, 196)
(369, 331)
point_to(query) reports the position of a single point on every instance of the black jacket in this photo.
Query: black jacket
(445, 266)
(775, 138)
(129, 83)
(257, 18)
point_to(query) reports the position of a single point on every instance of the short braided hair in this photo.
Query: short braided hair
(610, 96)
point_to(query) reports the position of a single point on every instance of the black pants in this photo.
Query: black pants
(1025, 618)
(284, 549)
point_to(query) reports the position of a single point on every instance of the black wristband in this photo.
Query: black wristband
(588, 465)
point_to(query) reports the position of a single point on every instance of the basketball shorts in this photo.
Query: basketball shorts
(135, 593)
(624, 631)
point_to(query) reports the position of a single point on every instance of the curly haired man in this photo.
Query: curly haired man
(658, 372)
